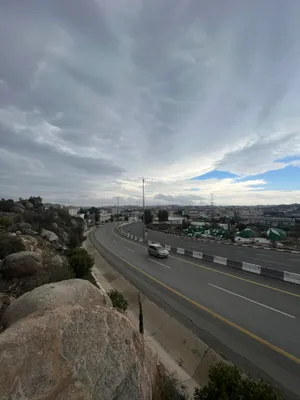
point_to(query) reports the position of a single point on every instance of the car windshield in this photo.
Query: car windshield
(159, 248)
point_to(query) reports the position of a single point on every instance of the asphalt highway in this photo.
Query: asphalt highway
(266, 258)
(253, 321)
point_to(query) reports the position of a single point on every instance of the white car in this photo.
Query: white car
(157, 250)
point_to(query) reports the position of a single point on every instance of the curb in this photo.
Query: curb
(285, 276)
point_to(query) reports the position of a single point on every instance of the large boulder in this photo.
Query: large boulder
(57, 261)
(54, 225)
(23, 227)
(18, 208)
(13, 228)
(18, 265)
(49, 235)
(29, 242)
(11, 235)
(75, 352)
(28, 205)
(46, 297)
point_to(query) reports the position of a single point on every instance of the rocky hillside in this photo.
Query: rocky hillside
(60, 337)
(34, 246)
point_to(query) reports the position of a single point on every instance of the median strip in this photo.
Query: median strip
(273, 273)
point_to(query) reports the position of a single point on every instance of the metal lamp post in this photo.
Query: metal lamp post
(143, 187)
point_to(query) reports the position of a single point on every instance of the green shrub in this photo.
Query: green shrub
(6, 221)
(76, 237)
(6, 205)
(118, 300)
(9, 245)
(80, 262)
(226, 382)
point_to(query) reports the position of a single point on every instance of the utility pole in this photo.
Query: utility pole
(143, 186)
(118, 208)
(212, 208)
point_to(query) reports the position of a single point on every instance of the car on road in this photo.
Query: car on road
(157, 250)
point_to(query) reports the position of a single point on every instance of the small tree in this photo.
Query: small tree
(148, 218)
(6, 221)
(36, 201)
(97, 216)
(126, 218)
(185, 224)
(9, 245)
(76, 237)
(6, 205)
(163, 215)
(80, 262)
(118, 300)
(240, 227)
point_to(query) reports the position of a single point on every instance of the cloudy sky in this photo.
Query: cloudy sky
(198, 96)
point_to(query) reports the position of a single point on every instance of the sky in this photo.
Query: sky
(197, 96)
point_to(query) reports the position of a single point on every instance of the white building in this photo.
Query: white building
(73, 210)
(105, 217)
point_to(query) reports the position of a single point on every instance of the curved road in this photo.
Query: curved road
(253, 321)
(266, 258)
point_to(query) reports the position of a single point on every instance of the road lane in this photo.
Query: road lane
(192, 279)
(253, 301)
(195, 286)
(266, 258)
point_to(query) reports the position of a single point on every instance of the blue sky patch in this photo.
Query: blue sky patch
(289, 159)
(215, 174)
(287, 178)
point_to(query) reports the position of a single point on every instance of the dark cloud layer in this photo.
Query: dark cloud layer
(99, 93)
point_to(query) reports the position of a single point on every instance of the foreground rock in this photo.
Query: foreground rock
(18, 265)
(47, 297)
(74, 351)
(49, 235)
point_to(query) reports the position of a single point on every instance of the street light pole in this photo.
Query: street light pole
(143, 181)
(118, 209)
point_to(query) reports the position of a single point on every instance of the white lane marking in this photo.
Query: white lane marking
(129, 249)
(156, 262)
(252, 301)
(115, 241)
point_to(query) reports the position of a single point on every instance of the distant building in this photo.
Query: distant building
(73, 210)
(276, 222)
(112, 210)
(171, 220)
(105, 217)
